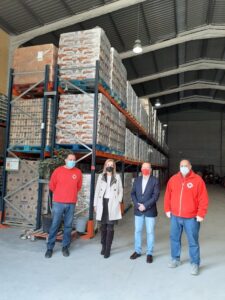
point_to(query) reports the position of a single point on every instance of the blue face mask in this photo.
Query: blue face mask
(184, 170)
(70, 164)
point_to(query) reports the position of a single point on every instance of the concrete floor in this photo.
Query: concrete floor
(26, 274)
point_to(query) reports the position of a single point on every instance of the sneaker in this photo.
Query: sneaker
(194, 269)
(65, 251)
(174, 263)
(48, 253)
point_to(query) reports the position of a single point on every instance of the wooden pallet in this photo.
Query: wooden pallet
(44, 235)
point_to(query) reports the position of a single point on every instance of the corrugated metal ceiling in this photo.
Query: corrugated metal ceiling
(159, 20)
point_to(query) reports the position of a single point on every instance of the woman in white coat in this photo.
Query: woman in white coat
(108, 196)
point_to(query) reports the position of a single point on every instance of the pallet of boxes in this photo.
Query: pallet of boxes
(25, 133)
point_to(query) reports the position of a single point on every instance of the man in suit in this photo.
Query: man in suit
(145, 193)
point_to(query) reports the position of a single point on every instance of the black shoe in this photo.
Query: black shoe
(65, 251)
(107, 253)
(109, 239)
(103, 250)
(48, 253)
(135, 255)
(149, 259)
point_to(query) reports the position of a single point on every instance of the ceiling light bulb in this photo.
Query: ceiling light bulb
(157, 103)
(137, 47)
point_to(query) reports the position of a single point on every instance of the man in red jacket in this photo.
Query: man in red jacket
(185, 203)
(65, 183)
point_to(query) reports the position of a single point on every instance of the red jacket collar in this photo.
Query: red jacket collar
(189, 175)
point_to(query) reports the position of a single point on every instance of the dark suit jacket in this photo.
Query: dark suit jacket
(149, 198)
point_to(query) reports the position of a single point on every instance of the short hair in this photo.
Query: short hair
(186, 160)
(146, 162)
(71, 154)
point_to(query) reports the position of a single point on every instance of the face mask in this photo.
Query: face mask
(146, 172)
(70, 164)
(109, 169)
(184, 170)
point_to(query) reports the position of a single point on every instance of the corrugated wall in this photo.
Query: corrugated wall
(198, 136)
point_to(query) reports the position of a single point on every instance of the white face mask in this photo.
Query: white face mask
(184, 170)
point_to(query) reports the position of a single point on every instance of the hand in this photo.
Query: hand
(168, 214)
(141, 207)
(199, 219)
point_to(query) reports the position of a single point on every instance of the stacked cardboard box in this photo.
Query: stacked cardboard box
(156, 173)
(163, 138)
(158, 131)
(146, 104)
(33, 59)
(135, 107)
(26, 121)
(79, 51)
(138, 149)
(129, 96)
(132, 146)
(121, 132)
(75, 121)
(25, 199)
(129, 142)
(118, 75)
(144, 151)
(144, 119)
(128, 182)
(113, 127)
(154, 119)
(3, 107)
(132, 101)
(82, 206)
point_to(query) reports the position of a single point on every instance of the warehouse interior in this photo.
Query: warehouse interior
(163, 104)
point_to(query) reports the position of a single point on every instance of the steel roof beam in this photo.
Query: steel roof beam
(192, 99)
(198, 85)
(200, 64)
(203, 32)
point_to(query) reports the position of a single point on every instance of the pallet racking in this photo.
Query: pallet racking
(91, 155)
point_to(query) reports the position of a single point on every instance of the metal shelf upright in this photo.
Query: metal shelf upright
(46, 94)
(131, 124)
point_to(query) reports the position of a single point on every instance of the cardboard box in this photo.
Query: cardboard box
(79, 51)
(75, 122)
(34, 59)
(25, 199)
(26, 120)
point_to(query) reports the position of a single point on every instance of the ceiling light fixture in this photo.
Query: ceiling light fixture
(157, 103)
(137, 49)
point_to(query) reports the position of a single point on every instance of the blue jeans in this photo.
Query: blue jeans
(59, 211)
(191, 228)
(150, 226)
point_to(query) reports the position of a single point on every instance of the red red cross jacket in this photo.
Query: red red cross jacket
(186, 197)
(65, 184)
